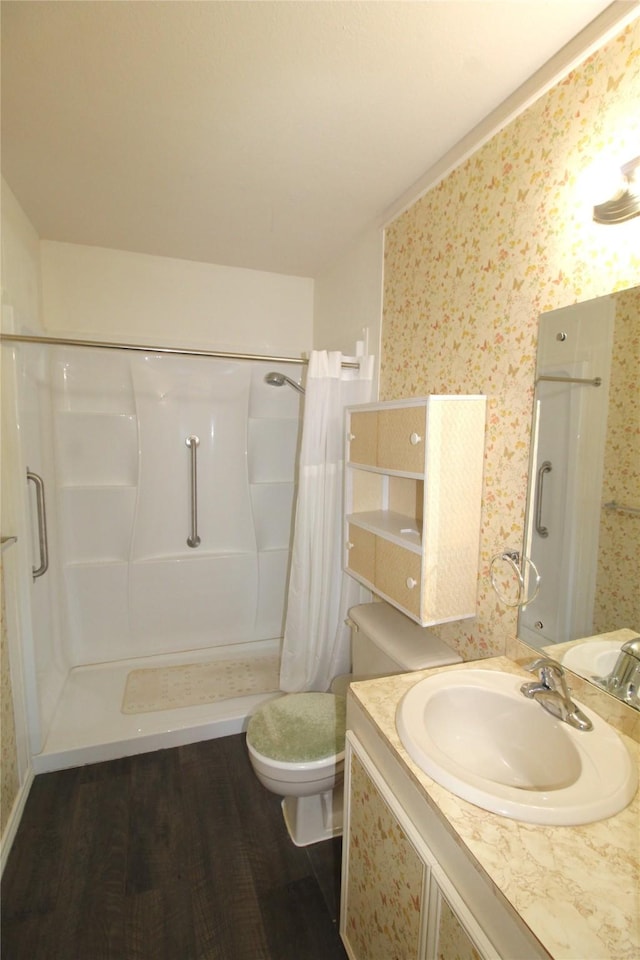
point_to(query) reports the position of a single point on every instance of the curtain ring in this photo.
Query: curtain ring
(512, 558)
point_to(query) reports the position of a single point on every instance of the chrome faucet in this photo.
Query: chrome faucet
(624, 680)
(552, 693)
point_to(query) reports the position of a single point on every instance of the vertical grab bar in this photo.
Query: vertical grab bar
(542, 469)
(42, 525)
(193, 540)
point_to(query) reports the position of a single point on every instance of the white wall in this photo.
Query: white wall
(348, 297)
(20, 265)
(100, 293)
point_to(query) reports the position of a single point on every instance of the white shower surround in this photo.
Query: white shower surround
(124, 588)
(122, 468)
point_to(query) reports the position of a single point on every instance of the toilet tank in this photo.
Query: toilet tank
(383, 641)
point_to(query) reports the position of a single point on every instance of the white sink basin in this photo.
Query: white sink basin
(593, 658)
(475, 733)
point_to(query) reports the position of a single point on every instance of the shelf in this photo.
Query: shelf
(272, 483)
(397, 527)
(384, 471)
(97, 486)
(95, 414)
(97, 562)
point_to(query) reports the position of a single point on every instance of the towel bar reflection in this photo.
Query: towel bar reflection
(524, 569)
(621, 507)
(193, 540)
(42, 525)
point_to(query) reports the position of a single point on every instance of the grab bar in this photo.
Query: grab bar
(588, 381)
(544, 468)
(42, 525)
(622, 507)
(193, 540)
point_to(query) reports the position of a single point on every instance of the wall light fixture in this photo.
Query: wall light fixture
(626, 203)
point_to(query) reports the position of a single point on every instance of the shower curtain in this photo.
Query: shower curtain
(316, 639)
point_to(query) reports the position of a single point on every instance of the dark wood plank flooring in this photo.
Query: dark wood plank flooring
(175, 855)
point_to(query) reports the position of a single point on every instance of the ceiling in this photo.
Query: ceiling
(258, 134)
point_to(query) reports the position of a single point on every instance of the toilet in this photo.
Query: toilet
(296, 742)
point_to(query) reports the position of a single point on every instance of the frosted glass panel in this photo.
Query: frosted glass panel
(97, 381)
(96, 448)
(134, 586)
(97, 595)
(177, 398)
(272, 594)
(277, 403)
(272, 450)
(96, 522)
(272, 514)
(203, 602)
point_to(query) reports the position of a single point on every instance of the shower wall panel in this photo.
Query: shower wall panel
(133, 585)
(273, 441)
(178, 397)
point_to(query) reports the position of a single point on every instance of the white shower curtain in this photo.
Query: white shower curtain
(316, 640)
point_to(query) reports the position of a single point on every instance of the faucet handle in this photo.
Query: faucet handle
(558, 702)
(632, 647)
(540, 662)
(545, 667)
(551, 675)
(544, 662)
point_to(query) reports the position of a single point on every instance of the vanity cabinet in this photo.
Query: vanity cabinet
(387, 881)
(393, 905)
(408, 889)
(413, 486)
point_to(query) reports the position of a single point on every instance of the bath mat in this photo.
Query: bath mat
(189, 684)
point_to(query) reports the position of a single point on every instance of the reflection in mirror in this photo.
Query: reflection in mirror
(583, 512)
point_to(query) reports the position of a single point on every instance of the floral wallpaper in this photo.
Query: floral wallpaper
(469, 267)
(617, 599)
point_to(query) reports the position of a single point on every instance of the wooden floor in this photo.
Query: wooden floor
(175, 855)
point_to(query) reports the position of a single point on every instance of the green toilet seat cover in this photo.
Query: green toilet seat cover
(299, 727)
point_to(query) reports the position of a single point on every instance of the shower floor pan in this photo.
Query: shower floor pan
(88, 725)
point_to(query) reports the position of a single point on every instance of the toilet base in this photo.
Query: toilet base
(312, 819)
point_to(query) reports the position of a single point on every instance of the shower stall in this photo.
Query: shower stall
(567, 467)
(157, 494)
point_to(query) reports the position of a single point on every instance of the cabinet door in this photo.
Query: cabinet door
(384, 878)
(448, 938)
(391, 439)
(391, 571)
(398, 575)
(401, 438)
(361, 555)
(363, 437)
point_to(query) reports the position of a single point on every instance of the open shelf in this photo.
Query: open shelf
(413, 489)
(397, 527)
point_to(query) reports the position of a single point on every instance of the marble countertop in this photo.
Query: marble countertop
(577, 888)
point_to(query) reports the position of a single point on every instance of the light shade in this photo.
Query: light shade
(626, 203)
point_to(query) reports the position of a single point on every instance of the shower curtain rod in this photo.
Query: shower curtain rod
(111, 345)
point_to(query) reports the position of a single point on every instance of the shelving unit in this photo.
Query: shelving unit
(413, 486)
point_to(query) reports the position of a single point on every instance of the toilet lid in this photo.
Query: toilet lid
(299, 727)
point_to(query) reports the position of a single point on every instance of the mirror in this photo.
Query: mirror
(583, 509)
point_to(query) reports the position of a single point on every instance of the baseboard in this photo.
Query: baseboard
(15, 817)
